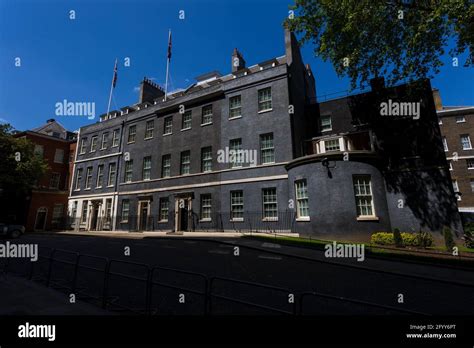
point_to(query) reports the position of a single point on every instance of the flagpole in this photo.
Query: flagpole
(111, 87)
(167, 65)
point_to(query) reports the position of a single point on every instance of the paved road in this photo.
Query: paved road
(217, 259)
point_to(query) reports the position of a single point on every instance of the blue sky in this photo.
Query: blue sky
(73, 59)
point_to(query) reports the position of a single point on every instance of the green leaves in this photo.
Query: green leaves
(19, 176)
(385, 38)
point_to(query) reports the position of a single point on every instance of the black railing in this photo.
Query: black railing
(131, 287)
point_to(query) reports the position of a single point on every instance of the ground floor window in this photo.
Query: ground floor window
(236, 205)
(302, 204)
(363, 195)
(164, 209)
(84, 212)
(125, 210)
(270, 207)
(57, 213)
(206, 207)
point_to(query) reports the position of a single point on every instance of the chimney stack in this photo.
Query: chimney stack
(437, 99)
(238, 61)
(149, 91)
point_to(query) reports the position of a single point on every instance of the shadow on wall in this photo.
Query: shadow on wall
(412, 154)
(428, 196)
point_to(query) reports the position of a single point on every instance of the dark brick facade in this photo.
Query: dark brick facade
(400, 159)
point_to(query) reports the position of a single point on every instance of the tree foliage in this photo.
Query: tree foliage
(400, 40)
(20, 168)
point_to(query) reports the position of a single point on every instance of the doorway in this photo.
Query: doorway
(143, 213)
(183, 211)
(40, 221)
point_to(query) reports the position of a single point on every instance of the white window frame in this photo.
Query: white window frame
(263, 102)
(468, 139)
(132, 136)
(268, 151)
(460, 119)
(125, 203)
(445, 144)
(128, 174)
(77, 185)
(238, 157)
(269, 204)
(235, 108)
(206, 159)
(115, 138)
(112, 173)
(88, 184)
(205, 115)
(164, 209)
(103, 144)
(322, 125)
(82, 148)
(234, 204)
(166, 159)
(205, 208)
(166, 120)
(302, 196)
(149, 130)
(100, 176)
(185, 162)
(94, 143)
(146, 169)
(361, 196)
(187, 120)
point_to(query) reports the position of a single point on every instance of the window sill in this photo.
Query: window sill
(326, 130)
(166, 134)
(102, 149)
(237, 220)
(162, 221)
(206, 124)
(367, 218)
(270, 219)
(185, 129)
(98, 187)
(110, 185)
(114, 145)
(467, 149)
(303, 219)
(264, 111)
(148, 138)
(124, 222)
(205, 220)
(234, 118)
(87, 189)
(130, 142)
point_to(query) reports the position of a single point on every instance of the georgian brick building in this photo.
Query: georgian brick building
(457, 129)
(46, 205)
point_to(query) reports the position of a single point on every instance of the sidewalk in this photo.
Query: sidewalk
(20, 296)
(140, 235)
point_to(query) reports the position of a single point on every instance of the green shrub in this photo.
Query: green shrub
(469, 234)
(382, 238)
(448, 239)
(397, 238)
(422, 239)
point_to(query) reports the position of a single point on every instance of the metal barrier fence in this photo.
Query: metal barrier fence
(137, 288)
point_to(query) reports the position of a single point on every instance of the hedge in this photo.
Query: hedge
(422, 239)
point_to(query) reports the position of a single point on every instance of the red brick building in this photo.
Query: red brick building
(47, 203)
(457, 128)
